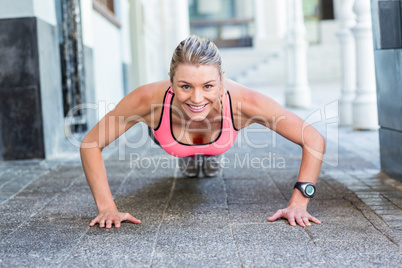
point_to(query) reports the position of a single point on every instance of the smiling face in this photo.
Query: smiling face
(197, 90)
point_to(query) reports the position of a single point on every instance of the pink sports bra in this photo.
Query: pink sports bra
(164, 133)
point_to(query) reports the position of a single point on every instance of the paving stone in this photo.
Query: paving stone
(276, 245)
(392, 221)
(377, 202)
(250, 218)
(246, 173)
(199, 190)
(192, 218)
(246, 213)
(333, 208)
(257, 206)
(42, 243)
(395, 197)
(342, 228)
(196, 245)
(369, 196)
(398, 229)
(388, 212)
(102, 247)
(389, 206)
(72, 203)
(256, 190)
(369, 253)
(20, 210)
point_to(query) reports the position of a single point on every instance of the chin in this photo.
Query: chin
(198, 118)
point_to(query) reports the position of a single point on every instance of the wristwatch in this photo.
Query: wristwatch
(306, 188)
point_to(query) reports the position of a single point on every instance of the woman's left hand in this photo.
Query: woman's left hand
(295, 215)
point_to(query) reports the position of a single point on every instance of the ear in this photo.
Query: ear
(170, 80)
(223, 74)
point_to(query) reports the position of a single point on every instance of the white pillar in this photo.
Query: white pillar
(260, 22)
(175, 27)
(365, 104)
(297, 88)
(348, 58)
(181, 19)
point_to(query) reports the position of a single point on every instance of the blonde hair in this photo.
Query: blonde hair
(197, 51)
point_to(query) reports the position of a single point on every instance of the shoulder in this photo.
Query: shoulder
(142, 102)
(243, 98)
(249, 104)
(149, 94)
(239, 92)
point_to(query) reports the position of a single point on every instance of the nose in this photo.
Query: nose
(197, 96)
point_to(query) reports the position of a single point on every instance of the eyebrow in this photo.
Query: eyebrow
(182, 81)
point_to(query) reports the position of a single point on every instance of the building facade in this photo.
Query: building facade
(66, 63)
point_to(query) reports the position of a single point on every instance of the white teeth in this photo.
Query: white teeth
(196, 107)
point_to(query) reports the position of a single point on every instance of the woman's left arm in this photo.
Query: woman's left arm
(258, 108)
(313, 146)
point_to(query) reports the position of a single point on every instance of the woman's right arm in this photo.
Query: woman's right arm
(133, 108)
(95, 174)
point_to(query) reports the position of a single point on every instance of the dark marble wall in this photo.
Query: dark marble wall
(1, 143)
(20, 100)
(387, 28)
(391, 152)
(31, 102)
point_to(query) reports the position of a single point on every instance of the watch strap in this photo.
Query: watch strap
(302, 186)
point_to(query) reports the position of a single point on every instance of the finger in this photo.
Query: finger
(299, 220)
(102, 223)
(276, 216)
(291, 221)
(128, 217)
(306, 221)
(315, 220)
(108, 224)
(117, 224)
(94, 221)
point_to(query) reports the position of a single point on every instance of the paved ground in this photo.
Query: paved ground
(46, 206)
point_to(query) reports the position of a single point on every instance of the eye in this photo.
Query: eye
(208, 86)
(185, 87)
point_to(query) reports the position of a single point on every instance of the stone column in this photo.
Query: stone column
(181, 20)
(31, 106)
(297, 88)
(348, 52)
(365, 104)
(260, 21)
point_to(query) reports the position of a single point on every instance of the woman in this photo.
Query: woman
(196, 115)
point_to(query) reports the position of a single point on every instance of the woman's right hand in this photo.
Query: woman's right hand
(112, 217)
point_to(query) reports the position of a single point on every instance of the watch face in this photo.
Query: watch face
(309, 190)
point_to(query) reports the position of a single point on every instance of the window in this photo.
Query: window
(106, 9)
(107, 4)
(228, 23)
(327, 10)
(316, 11)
